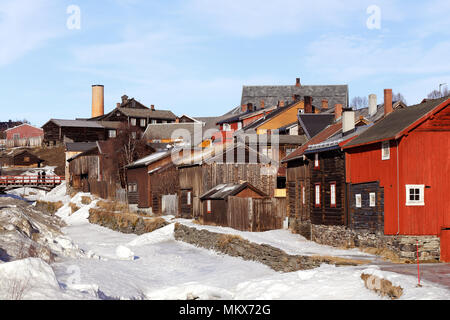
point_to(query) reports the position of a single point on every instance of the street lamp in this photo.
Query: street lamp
(440, 86)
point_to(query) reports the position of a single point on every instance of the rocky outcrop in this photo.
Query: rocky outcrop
(382, 286)
(236, 246)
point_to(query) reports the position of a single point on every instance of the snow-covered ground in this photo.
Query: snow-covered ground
(156, 266)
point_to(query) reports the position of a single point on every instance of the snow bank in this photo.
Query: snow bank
(28, 279)
(160, 235)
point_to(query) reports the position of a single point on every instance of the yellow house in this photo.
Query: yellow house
(279, 118)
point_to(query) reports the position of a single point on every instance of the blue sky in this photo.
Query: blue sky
(194, 56)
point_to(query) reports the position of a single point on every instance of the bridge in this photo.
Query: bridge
(46, 183)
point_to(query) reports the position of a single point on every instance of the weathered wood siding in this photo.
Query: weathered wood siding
(367, 218)
(331, 170)
(163, 182)
(298, 176)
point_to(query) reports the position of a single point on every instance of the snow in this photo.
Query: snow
(293, 244)
(156, 266)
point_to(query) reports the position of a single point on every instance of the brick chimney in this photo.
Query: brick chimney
(308, 104)
(297, 82)
(152, 107)
(281, 103)
(177, 120)
(388, 101)
(262, 104)
(124, 99)
(250, 107)
(337, 111)
(324, 104)
(244, 108)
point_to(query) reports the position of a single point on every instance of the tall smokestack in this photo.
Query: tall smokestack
(372, 105)
(98, 100)
(388, 101)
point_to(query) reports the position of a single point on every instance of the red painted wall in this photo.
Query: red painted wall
(25, 131)
(423, 158)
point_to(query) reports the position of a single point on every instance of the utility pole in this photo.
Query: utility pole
(440, 87)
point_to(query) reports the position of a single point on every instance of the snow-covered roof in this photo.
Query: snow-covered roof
(149, 159)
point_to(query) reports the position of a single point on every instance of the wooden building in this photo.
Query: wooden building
(58, 131)
(217, 205)
(20, 158)
(210, 168)
(405, 158)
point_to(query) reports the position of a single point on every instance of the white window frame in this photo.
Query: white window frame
(16, 136)
(153, 121)
(316, 161)
(112, 133)
(373, 199)
(358, 200)
(239, 125)
(317, 200)
(333, 194)
(417, 203)
(133, 121)
(208, 206)
(385, 150)
(189, 198)
(226, 127)
(142, 122)
(304, 195)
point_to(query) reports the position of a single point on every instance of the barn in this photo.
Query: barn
(20, 158)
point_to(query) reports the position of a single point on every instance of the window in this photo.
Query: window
(333, 194)
(385, 150)
(316, 161)
(153, 121)
(239, 125)
(208, 206)
(358, 201)
(373, 199)
(415, 195)
(142, 122)
(226, 127)
(133, 121)
(317, 201)
(112, 133)
(303, 195)
(16, 136)
(189, 198)
(132, 187)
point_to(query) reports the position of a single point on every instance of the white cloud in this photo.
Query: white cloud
(25, 25)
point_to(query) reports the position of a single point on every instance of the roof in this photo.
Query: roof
(245, 115)
(15, 152)
(321, 136)
(312, 123)
(272, 94)
(191, 132)
(75, 123)
(223, 191)
(147, 113)
(21, 125)
(149, 159)
(396, 122)
(256, 139)
(80, 146)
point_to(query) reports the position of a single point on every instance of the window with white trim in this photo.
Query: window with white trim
(303, 195)
(358, 200)
(133, 121)
(415, 195)
(226, 127)
(142, 122)
(373, 198)
(189, 198)
(333, 194)
(317, 201)
(385, 150)
(208, 206)
(112, 133)
(316, 161)
(239, 125)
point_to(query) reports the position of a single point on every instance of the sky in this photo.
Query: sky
(194, 56)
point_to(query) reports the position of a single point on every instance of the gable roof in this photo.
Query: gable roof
(397, 122)
(147, 160)
(312, 123)
(22, 125)
(75, 123)
(80, 146)
(165, 131)
(321, 136)
(223, 191)
(272, 94)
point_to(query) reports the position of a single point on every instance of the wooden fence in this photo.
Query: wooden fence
(25, 142)
(256, 215)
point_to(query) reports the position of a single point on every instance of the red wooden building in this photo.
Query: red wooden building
(407, 158)
(23, 131)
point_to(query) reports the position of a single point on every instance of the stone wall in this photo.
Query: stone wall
(403, 247)
(236, 246)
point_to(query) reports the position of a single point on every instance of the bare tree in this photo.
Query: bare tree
(436, 94)
(399, 97)
(359, 102)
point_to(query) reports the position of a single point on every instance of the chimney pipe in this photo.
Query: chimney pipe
(308, 104)
(262, 104)
(337, 111)
(98, 100)
(372, 105)
(297, 82)
(324, 104)
(152, 107)
(388, 101)
(348, 121)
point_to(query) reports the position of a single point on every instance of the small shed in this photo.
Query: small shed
(215, 201)
(20, 158)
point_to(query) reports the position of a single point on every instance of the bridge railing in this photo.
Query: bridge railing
(30, 180)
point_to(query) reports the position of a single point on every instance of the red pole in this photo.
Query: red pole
(418, 268)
